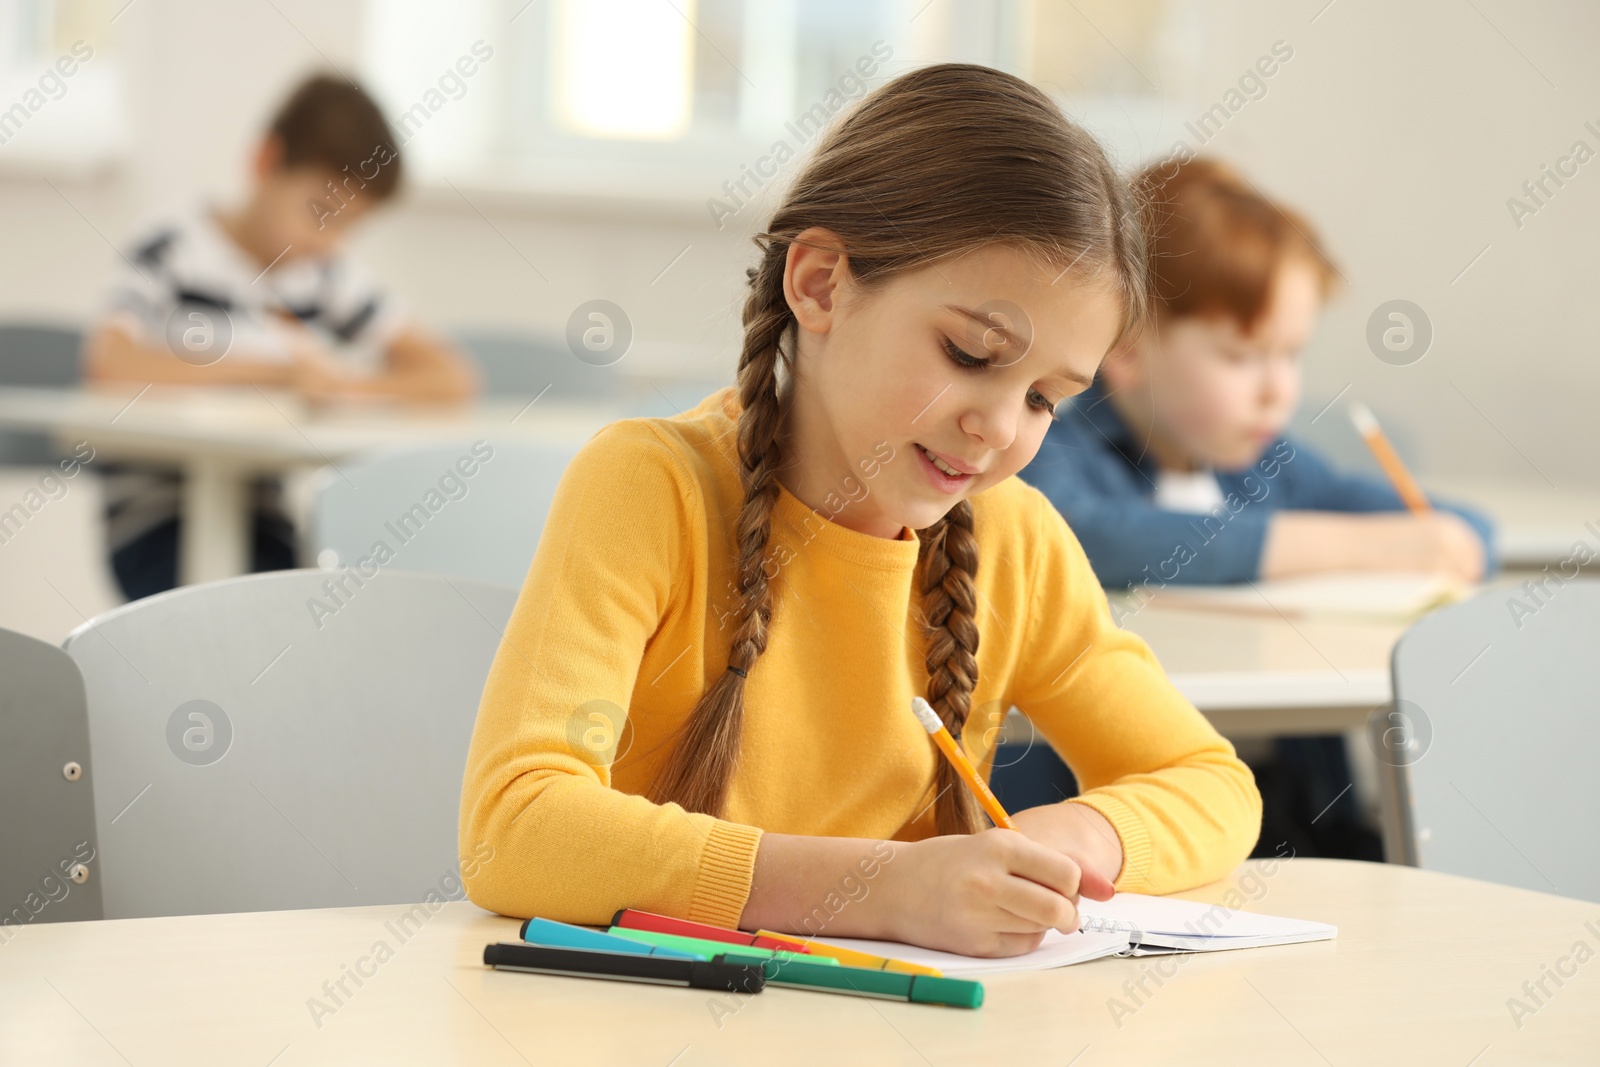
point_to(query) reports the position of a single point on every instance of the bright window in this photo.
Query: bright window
(669, 99)
(60, 99)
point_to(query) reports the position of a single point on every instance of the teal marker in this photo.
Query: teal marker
(706, 949)
(861, 981)
(552, 934)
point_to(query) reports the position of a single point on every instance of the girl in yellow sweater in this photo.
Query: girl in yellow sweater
(702, 703)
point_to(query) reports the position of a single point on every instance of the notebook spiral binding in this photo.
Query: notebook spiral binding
(1095, 925)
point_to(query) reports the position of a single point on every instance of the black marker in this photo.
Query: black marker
(582, 963)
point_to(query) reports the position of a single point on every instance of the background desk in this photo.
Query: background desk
(1420, 974)
(1256, 675)
(1261, 676)
(1265, 675)
(221, 439)
(1536, 524)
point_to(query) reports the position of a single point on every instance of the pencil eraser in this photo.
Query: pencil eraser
(1361, 415)
(926, 715)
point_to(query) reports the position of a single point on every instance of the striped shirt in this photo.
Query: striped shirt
(185, 284)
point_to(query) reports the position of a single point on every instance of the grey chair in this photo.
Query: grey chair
(37, 356)
(1489, 749)
(49, 863)
(485, 525)
(293, 739)
(55, 568)
(526, 364)
(665, 397)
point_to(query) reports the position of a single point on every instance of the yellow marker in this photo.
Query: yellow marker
(849, 957)
(1389, 459)
(935, 726)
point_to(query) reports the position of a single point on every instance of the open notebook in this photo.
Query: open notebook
(1129, 924)
(1164, 924)
(1390, 596)
(1057, 950)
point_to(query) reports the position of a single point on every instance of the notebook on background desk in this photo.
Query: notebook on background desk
(1396, 596)
(1129, 924)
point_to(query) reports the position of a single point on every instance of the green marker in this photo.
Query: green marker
(706, 949)
(861, 981)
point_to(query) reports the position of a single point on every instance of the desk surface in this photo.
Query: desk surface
(1420, 973)
(272, 429)
(1536, 523)
(1233, 662)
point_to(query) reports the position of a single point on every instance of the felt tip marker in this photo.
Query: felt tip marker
(707, 949)
(554, 934)
(861, 982)
(634, 919)
(620, 966)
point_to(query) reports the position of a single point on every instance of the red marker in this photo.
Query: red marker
(630, 919)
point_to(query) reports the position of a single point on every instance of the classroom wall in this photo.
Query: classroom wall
(1400, 129)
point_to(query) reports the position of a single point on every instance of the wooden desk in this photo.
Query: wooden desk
(1420, 973)
(1260, 676)
(223, 438)
(1267, 675)
(1537, 523)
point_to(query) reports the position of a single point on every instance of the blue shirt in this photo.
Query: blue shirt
(1102, 480)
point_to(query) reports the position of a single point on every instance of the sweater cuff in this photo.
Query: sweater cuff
(1136, 851)
(727, 867)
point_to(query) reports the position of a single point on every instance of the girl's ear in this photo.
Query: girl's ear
(813, 274)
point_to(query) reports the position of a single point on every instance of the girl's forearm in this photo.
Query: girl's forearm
(821, 886)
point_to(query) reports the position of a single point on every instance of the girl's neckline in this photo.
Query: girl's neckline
(804, 528)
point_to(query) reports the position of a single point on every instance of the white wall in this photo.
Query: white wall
(1400, 130)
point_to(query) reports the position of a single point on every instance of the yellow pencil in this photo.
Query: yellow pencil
(1389, 459)
(851, 958)
(935, 726)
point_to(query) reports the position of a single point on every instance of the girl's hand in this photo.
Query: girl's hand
(1081, 833)
(993, 893)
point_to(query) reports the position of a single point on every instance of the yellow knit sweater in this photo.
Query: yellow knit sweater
(624, 621)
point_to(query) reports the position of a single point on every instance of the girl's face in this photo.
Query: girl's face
(1215, 395)
(959, 363)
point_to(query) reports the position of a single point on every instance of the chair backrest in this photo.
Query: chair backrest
(1492, 739)
(525, 364)
(423, 507)
(276, 741)
(37, 355)
(55, 568)
(49, 864)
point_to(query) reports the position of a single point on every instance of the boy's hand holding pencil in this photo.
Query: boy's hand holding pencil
(1448, 543)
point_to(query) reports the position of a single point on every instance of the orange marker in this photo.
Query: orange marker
(1388, 459)
(851, 958)
(935, 726)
